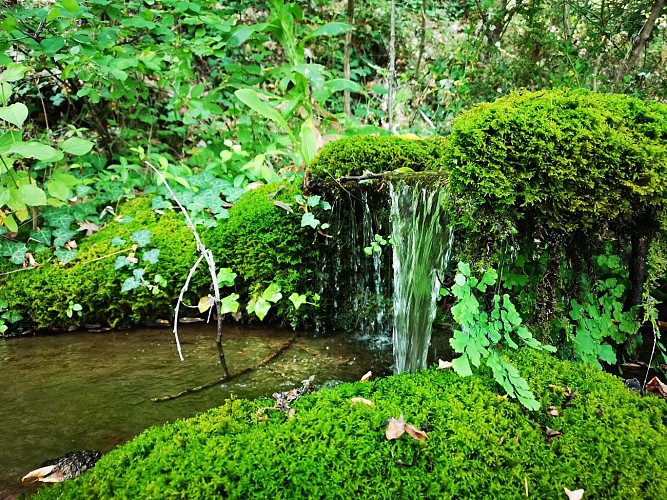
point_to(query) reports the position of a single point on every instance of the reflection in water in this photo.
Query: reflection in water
(80, 391)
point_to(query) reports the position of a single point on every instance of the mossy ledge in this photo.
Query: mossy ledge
(480, 445)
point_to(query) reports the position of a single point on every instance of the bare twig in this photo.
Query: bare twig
(208, 256)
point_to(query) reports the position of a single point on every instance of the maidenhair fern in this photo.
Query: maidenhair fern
(480, 332)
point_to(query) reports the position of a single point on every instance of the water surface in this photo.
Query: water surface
(79, 391)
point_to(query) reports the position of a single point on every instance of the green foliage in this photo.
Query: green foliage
(265, 244)
(562, 159)
(361, 154)
(481, 332)
(479, 444)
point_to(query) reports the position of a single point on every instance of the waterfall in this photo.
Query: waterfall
(422, 240)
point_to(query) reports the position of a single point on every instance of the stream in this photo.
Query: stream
(79, 391)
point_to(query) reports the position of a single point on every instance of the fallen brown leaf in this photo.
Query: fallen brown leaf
(88, 227)
(657, 387)
(362, 401)
(574, 495)
(553, 411)
(415, 433)
(551, 434)
(395, 428)
(444, 365)
(367, 376)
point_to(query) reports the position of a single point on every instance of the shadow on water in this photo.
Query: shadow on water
(93, 391)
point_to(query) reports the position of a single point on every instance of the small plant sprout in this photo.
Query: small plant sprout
(72, 308)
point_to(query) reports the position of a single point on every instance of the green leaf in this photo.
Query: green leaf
(259, 306)
(65, 256)
(36, 150)
(13, 73)
(330, 29)
(464, 268)
(15, 114)
(31, 195)
(226, 277)
(52, 45)
(151, 256)
(70, 5)
(251, 98)
(6, 91)
(309, 135)
(10, 223)
(298, 300)
(272, 293)
(240, 34)
(229, 304)
(76, 146)
(130, 284)
(62, 236)
(141, 238)
(59, 190)
(122, 261)
(43, 236)
(462, 366)
(18, 252)
(308, 219)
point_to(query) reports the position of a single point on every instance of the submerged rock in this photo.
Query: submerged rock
(68, 466)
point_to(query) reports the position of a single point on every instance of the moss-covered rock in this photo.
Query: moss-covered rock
(264, 243)
(480, 445)
(373, 153)
(561, 159)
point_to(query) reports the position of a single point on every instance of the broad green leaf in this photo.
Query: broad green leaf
(272, 293)
(229, 304)
(241, 34)
(31, 195)
(309, 139)
(65, 256)
(54, 13)
(252, 99)
(15, 114)
(259, 306)
(52, 45)
(226, 277)
(58, 190)
(117, 241)
(6, 91)
(13, 73)
(464, 268)
(151, 256)
(298, 300)
(36, 150)
(308, 219)
(462, 366)
(141, 238)
(330, 29)
(130, 284)
(10, 223)
(76, 146)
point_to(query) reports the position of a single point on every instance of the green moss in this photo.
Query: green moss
(265, 244)
(562, 159)
(480, 445)
(43, 294)
(371, 153)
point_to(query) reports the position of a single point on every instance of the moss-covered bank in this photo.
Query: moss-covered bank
(480, 445)
(261, 242)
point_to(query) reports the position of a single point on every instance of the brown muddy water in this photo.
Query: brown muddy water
(79, 391)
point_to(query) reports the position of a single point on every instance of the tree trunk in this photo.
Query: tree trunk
(392, 65)
(639, 42)
(347, 73)
(640, 243)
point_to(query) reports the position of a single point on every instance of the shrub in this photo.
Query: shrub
(480, 445)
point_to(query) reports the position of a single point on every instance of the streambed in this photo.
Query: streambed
(68, 392)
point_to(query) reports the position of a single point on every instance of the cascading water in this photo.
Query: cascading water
(422, 240)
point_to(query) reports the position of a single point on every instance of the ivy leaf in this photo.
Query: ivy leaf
(226, 277)
(130, 284)
(272, 293)
(308, 219)
(141, 238)
(151, 256)
(43, 236)
(259, 306)
(464, 268)
(229, 304)
(18, 253)
(65, 256)
(62, 236)
(117, 241)
(297, 300)
(122, 261)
